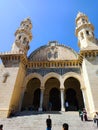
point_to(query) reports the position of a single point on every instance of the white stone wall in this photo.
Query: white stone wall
(89, 69)
(6, 88)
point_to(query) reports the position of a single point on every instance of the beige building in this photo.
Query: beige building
(52, 75)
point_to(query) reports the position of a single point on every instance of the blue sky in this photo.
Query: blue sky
(51, 19)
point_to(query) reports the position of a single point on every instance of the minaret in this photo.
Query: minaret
(23, 37)
(88, 58)
(84, 31)
(14, 70)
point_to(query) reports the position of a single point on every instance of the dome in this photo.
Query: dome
(53, 51)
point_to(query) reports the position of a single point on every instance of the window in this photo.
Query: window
(87, 32)
(82, 36)
(25, 40)
(83, 20)
(19, 37)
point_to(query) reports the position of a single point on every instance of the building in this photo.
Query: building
(52, 75)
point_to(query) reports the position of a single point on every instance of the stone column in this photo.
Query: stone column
(62, 99)
(41, 99)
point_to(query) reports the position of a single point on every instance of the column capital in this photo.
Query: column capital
(42, 88)
(83, 88)
(62, 89)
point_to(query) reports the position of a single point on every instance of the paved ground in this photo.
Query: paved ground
(37, 121)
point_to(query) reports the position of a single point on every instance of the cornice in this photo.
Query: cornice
(12, 58)
(53, 64)
(87, 53)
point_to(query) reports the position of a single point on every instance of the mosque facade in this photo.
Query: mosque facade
(53, 76)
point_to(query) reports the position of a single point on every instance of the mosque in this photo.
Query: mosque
(51, 75)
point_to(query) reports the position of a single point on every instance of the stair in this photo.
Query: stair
(29, 120)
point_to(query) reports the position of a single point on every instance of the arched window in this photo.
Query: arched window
(25, 40)
(82, 36)
(83, 20)
(19, 37)
(87, 32)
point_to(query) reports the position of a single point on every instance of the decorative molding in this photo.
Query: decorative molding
(61, 71)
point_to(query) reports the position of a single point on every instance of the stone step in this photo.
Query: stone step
(37, 121)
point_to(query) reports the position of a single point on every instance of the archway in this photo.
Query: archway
(72, 99)
(32, 95)
(36, 99)
(54, 98)
(73, 94)
(52, 94)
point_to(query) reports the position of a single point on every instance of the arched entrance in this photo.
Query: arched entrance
(54, 99)
(31, 97)
(52, 95)
(72, 99)
(73, 94)
(36, 99)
